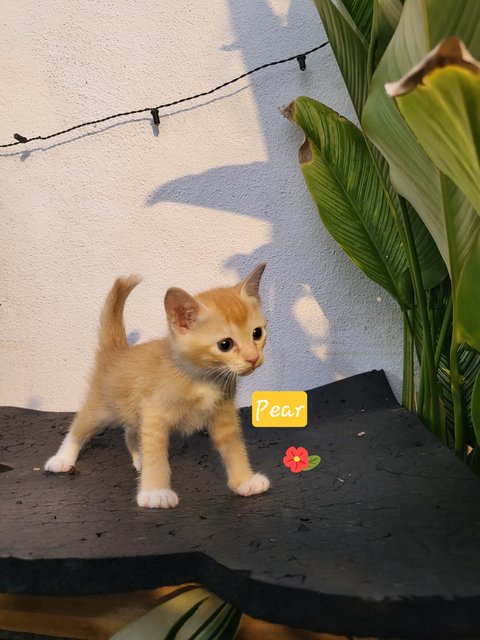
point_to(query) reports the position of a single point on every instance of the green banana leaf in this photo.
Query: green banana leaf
(386, 15)
(440, 104)
(475, 407)
(377, 41)
(359, 32)
(422, 25)
(360, 12)
(431, 262)
(445, 210)
(469, 365)
(350, 48)
(344, 183)
(348, 28)
(189, 614)
(467, 297)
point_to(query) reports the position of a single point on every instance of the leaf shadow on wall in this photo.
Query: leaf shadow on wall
(298, 347)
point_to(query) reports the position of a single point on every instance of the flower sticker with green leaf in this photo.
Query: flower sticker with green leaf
(297, 459)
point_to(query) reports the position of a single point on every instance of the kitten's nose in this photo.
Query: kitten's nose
(252, 361)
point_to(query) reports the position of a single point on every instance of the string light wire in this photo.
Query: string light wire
(301, 58)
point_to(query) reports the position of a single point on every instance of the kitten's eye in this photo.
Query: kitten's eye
(257, 333)
(225, 345)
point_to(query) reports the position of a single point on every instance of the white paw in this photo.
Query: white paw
(58, 464)
(258, 483)
(157, 499)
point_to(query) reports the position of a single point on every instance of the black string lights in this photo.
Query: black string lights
(155, 111)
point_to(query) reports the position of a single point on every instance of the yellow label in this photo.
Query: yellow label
(279, 409)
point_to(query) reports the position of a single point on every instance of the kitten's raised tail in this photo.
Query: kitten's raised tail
(112, 329)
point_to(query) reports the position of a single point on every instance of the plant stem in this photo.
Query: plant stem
(446, 325)
(455, 381)
(408, 390)
(421, 389)
(428, 383)
(449, 217)
(431, 413)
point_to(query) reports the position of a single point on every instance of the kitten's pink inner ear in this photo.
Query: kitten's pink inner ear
(182, 309)
(251, 284)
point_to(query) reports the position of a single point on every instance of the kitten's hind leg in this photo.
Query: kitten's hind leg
(87, 422)
(133, 445)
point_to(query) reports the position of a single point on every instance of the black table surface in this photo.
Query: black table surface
(381, 539)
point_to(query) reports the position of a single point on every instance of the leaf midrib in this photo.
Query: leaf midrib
(348, 198)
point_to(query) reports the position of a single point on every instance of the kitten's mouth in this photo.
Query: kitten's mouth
(247, 372)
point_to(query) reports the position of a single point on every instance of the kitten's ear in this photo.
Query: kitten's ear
(251, 284)
(182, 309)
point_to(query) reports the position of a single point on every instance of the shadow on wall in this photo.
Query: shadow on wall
(293, 339)
(297, 291)
(34, 402)
(133, 337)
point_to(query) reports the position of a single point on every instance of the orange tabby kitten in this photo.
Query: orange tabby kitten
(184, 382)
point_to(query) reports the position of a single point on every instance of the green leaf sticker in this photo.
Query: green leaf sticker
(313, 461)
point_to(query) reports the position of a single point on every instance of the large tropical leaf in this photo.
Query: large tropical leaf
(386, 15)
(446, 211)
(361, 14)
(422, 25)
(344, 182)
(347, 28)
(441, 105)
(432, 266)
(193, 613)
(467, 297)
(431, 262)
(469, 365)
(359, 31)
(376, 42)
(350, 48)
(475, 407)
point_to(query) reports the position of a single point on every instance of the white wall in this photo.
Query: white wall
(217, 191)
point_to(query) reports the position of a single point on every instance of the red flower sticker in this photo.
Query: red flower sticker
(296, 459)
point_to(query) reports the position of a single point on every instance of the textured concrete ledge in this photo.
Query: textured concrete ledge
(381, 539)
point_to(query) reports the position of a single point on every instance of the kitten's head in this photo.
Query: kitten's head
(220, 329)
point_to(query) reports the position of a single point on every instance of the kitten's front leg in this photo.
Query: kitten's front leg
(226, 435)
(155, 491)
